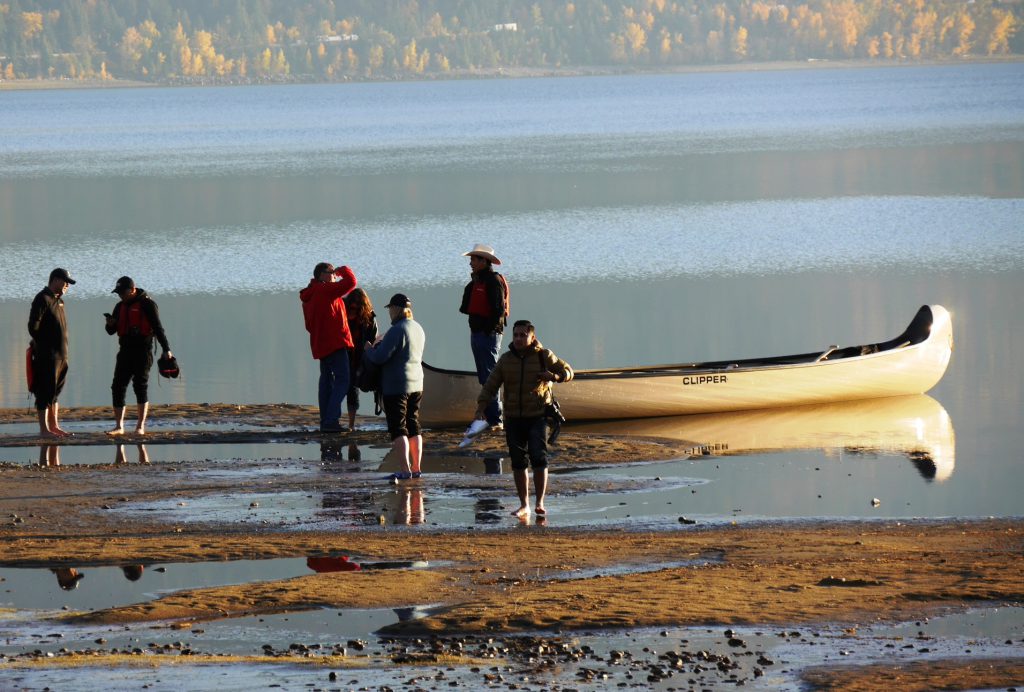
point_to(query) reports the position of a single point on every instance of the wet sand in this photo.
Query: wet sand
(518, 579)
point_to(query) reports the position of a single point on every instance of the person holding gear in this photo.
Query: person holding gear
(525, 373)
(136, 321)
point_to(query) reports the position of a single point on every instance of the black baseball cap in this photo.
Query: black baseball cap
(399, 300)
(125, 283)
(63, 274)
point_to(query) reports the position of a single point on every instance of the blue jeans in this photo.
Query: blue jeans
(334, 381)
(486, 348)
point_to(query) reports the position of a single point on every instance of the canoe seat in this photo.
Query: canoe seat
(826, 353)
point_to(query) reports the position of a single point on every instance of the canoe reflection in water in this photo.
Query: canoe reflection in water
(916, 426)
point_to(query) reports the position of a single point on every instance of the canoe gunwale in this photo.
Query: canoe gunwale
(914, 338)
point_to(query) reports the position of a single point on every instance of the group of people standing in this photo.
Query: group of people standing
(136, 322)
(343, 332)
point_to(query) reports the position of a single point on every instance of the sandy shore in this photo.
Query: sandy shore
(514, 580)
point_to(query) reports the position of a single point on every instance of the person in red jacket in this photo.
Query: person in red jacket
(323, 308)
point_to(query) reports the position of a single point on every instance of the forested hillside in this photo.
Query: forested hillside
(332, 40)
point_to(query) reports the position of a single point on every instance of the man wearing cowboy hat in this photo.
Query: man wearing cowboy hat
(485, 300)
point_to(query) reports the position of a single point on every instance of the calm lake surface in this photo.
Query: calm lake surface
(643, 219)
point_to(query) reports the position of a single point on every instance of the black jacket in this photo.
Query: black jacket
(48, 326)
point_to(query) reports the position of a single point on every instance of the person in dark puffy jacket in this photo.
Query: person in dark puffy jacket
(136, 321)
(323, 309)
(525, 373)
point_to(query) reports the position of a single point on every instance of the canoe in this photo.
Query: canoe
(912, 363)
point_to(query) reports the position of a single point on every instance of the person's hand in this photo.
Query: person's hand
(367, 346)
(168, 354)
(479, 415)
(546, 376)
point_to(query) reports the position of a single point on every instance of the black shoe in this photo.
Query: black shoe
(331, 429)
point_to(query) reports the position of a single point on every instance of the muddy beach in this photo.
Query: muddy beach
(533, 587)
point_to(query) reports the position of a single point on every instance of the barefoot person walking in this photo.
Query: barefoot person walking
(48, 327)
(524, 374)
(399, 353)
(135, 320)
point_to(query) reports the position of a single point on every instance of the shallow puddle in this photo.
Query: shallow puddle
(83, 587)
(467, 491)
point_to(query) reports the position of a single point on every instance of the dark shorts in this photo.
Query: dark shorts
(402, 412)
(133, 365)
(48, 376)
(527, 440)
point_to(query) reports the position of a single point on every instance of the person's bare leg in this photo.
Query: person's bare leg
(119, 457)
(118, 428)
(351, 420)
(140, 427)
(54, 420)
(400, 447)
(143, 455)
(540, 487)
(44, 423)
(415, 452)
(523, 490)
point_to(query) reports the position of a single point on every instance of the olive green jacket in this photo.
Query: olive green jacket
(523, 395)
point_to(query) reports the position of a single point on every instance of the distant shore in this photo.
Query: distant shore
(502, 73)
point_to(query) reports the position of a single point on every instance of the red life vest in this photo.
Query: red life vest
(131, 319)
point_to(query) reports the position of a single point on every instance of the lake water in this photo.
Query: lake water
(642, 219)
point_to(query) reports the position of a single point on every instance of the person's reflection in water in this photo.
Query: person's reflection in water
(354, 454)
(330, 451)
(492, 465)
(49, 455)
(67, 577)
(488, 511)
(121, 458)
(411, 510)
(133, 572)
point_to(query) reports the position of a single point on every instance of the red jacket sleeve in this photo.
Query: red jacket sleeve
(342, 288)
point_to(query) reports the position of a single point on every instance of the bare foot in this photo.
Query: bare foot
(62, 433)
(541, 512)
(48, 434)
(116, 431)
(141, 430)
(522, 512)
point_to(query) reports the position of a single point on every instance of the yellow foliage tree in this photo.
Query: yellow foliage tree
(739, 44)
(1002, 29)
(31, 24)
(281, 65)
(636, 38)
(964, 31)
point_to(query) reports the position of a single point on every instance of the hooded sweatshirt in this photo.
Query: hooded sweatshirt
(323, 309)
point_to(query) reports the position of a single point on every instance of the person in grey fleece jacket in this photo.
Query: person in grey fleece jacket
(399, 353)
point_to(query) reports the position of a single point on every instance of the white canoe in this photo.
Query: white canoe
(912, 363)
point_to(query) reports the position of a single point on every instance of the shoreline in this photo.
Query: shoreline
(36, 84)
(535, 582)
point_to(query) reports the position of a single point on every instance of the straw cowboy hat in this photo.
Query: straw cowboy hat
(485, 251)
